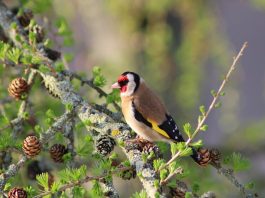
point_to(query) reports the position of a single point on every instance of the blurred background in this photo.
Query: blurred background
(182, 49)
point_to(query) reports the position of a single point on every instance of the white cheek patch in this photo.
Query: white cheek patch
(130, 86)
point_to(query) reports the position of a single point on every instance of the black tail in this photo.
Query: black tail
(195, 155)
(170, 127)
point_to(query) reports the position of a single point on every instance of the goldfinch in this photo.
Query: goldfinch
(145, 113)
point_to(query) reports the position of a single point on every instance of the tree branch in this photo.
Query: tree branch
(214, 101)
(85, 180)
(101, 121)
(103, 124)
(201, 122)
(90, 84)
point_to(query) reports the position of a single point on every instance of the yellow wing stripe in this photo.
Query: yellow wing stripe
(157, 129)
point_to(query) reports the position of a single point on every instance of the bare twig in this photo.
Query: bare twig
(179, 170)
(102, 122)
(229, 174)
(230, 177)
(210, 108)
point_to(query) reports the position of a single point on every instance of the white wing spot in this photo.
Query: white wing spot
(176, 137)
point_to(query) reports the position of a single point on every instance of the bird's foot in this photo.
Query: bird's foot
(143, 145)
(138, 139)
(137, 143)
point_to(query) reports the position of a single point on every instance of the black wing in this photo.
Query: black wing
(170, 127)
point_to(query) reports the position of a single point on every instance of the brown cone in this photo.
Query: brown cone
(17, 193)
(25, 18)
(52, 54)
(177, 193)
(57, 151)
(215, 156)
(31, 146)
(18, 87)
(205, 156)
(38, 30)
(105, 144)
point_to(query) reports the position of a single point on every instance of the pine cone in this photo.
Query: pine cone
(18, 87)
(38, 30)
(57, 151)
(215, 156)
(31, 146)
(52, 54)
(25, 18)
(17, 193)
(105, 144)
(205, 156)
(177, 193)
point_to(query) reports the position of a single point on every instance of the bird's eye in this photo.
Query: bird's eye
(123, 80)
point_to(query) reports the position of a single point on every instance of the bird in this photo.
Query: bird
(145, 113)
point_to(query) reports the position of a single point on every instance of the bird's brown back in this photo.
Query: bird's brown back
(148, 104)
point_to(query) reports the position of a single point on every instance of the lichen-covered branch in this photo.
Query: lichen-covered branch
(14, 168)
(91, 84)
(229, 174)
(11, 172)
(102, 123)
(102, 120)
(69, 134)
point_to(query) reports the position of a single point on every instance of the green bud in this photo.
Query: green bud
(156, 183)
(188, 195)
(197, 144)
(187, 129)
(202, 109)
(186, 152)
(213, 92)
(222, 93)
(163, 174)
(204, 127)
(218, 105)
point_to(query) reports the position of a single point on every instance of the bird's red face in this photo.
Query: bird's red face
(128, 83)
(121, 84)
